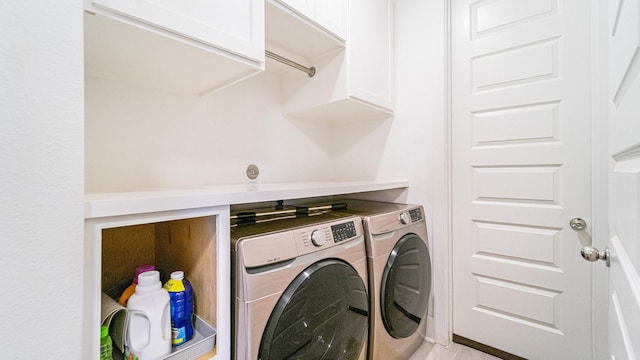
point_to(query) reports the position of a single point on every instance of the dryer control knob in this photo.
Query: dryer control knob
(318, 238)
(405, 218)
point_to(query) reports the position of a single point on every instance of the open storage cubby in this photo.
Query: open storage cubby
(194, 240)
(186, 244)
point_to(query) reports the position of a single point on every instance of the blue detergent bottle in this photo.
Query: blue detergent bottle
(181, 295)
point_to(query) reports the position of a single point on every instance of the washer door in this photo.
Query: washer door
(405, 288)
(323, 314)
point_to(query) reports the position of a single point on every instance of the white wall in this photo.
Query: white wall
(421, 141)
(41, 201)
(140, 139)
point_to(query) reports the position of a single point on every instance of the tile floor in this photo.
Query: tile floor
(455, 351)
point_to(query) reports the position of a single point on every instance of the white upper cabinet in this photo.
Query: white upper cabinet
(369, 51)
(303, 7)
(189, 46)
(293, 30)
(331, 15)
(354, 82)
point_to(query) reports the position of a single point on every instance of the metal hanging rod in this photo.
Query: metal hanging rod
(244, 218)
(297, 210)
(310, 71)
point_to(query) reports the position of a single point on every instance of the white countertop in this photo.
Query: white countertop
(115, 204)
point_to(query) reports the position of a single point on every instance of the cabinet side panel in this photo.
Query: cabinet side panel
(190, 245)
(370, 48)
(124, 249)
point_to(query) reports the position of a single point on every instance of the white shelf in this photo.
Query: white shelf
(116, 204)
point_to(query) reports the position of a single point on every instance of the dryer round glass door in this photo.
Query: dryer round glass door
(405, 286)
(323, 314)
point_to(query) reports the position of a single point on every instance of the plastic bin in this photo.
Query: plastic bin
(203, 341)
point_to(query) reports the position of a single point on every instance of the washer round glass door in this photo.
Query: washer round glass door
(405, 286)
(323, 314)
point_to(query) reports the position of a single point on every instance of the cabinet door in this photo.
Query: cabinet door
(235, 26)
(369, 50)
(304, 7)
(333, 16)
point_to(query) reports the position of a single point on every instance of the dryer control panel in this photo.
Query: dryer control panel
(383, 223)
(416, 214)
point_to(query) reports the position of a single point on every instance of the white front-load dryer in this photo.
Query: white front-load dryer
(399, 266)
(299, 289)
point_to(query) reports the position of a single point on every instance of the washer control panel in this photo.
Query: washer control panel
(323, 236)
(318, 238)
(343, 231)
(279, 246)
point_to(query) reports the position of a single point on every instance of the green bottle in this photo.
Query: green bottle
(106, 346)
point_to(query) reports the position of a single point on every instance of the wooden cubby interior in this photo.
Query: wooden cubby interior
(186, 244)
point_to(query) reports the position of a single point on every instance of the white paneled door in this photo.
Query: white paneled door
(521, 126)
(623, 105)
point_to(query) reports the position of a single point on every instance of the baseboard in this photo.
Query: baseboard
(485, 348)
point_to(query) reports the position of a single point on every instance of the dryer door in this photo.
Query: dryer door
(405, 287)
(323, 314)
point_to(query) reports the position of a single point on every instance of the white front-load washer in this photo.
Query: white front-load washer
(299, 289)
(399, 266)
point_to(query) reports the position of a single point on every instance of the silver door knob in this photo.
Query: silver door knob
(577, 224)
(590, 253)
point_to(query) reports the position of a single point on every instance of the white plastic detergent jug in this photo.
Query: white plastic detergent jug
(149, 322)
